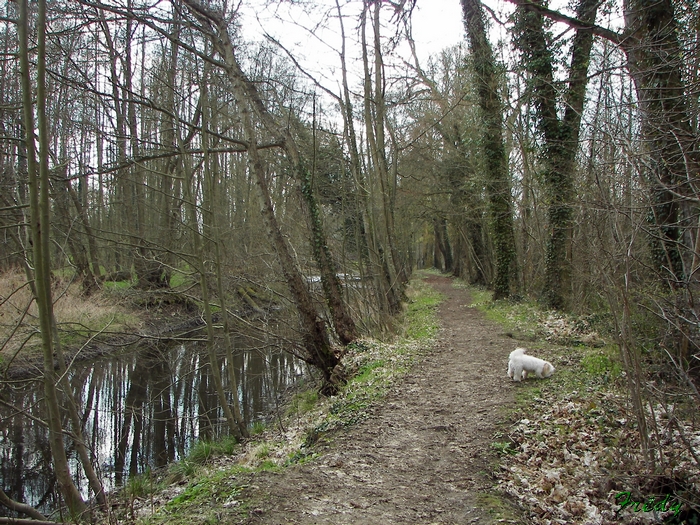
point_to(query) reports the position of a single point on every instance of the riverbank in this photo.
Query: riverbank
(407, 441)
(89, 326)
(431, 430)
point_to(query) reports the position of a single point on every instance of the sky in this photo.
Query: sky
(437, 24)
(313, 36)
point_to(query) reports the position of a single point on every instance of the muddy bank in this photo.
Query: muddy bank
(161, 322)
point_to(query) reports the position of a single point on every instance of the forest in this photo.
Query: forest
(151, 152)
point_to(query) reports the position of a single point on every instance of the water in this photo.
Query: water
(143, 408)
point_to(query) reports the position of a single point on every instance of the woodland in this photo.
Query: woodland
(147, 146)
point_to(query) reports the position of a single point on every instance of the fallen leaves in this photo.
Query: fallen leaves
(574, 455)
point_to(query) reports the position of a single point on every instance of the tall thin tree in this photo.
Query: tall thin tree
(40, 221)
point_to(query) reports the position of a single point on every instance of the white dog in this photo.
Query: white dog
(520, 364)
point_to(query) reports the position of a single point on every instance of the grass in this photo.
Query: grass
(180, 278)
(521, 317)
(198, 502)
(500, 509)
(302, 402)
(257, 428)
(603, 362)
(78, 316)
(204, 484)
(114, 286)
(142, 485)
(420, 321)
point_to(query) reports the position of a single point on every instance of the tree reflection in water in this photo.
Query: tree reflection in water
(142, 408)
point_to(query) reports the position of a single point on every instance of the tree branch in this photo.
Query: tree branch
(608, 34)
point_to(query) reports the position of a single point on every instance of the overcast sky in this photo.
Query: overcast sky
(313, 36)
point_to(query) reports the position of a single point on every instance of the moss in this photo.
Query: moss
(499, 507)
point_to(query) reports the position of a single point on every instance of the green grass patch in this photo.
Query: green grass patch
(420, 318)
(522, 317)
(141, 485)
(257, 428)
(503, 447)
(499, 507)
(215, 487)
(602, 362)
(180, 278)
(263, 451)
(303, 402)
(114, 286)
(201, 453)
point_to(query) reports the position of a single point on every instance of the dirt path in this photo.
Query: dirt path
(422, 456)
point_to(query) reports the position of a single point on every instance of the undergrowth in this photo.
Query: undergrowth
(78, 316)
(570, 447)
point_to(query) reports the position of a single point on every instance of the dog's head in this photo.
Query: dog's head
(547, 369)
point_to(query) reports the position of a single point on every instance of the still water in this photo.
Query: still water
(143, 408)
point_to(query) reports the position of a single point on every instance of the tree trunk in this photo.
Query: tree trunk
(654, 59)
(38, 172)
(498, 181)
(212, 231)
(317, 347)
(368, 232)
(374, 125)
(560, 138)
(319, 352)
(247, 93)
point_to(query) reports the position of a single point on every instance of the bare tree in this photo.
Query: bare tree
(319, 351)
(375, 127)
(38, 172)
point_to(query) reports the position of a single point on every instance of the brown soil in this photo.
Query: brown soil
(424, 454)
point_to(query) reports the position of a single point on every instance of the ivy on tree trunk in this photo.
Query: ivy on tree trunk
(561, 136)
(498, 181)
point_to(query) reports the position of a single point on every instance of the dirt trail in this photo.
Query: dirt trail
(423, 454)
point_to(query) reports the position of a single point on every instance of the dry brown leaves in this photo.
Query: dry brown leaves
(571, 462)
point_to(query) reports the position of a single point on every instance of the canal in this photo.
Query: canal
(141, 408)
